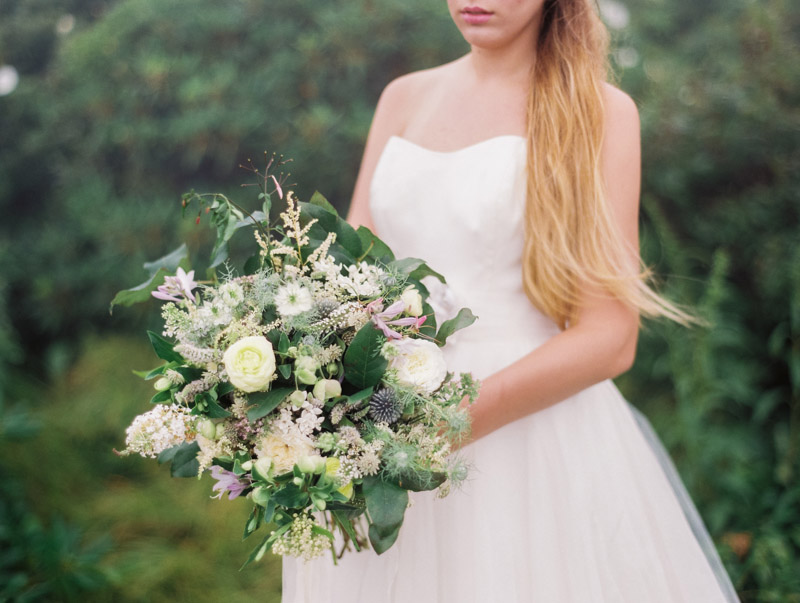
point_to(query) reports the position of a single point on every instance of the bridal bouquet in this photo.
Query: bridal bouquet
(312, 383)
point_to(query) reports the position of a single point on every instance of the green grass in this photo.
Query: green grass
(171, 541)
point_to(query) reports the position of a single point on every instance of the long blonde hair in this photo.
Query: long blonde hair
(571, 236)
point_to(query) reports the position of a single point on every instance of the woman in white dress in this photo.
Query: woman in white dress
(515, 172)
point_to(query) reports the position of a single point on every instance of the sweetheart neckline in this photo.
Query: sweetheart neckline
(459, 150)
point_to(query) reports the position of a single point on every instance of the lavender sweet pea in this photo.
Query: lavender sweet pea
(227, 481)
(382, 318)
(177, 286)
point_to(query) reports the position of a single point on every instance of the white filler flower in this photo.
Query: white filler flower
(250, 363)
(293, 299)
(419, 364)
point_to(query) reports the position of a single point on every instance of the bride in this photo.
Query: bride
(515, 172)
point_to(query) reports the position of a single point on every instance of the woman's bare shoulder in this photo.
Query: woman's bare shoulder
(402, 94)
(620, 107)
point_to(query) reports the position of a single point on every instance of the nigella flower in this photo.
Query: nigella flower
(384, 407)
(177, 286)
(382, 319)
(227, 481)
(293, 299)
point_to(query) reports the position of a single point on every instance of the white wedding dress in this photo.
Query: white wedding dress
(575, 503)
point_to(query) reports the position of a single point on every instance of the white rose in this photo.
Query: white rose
(413, 301)
(250, 363)
(419, 364)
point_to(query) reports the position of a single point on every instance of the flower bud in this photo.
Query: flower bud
(292, 352)
(305, 369)
(262, 466)
(297, 398)
(332, 368)
(220, 431)
(412, 300)
(247, 465)
(320, 504)
(327, 388)
(309, 464)
(298, 481)
(162, 384)
(207, 429)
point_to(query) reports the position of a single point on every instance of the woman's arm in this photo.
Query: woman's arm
(602, 343)
(389, 120)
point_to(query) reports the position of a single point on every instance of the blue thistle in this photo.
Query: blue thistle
(384, 407)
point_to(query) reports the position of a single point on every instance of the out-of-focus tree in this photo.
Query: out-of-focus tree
(718, 84)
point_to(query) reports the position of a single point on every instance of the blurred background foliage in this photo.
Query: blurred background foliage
(122, 105)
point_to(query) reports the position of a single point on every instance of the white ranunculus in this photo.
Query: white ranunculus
(283, 452)
(293, 299)
(250, 363)
(413, 301)
(419, 364)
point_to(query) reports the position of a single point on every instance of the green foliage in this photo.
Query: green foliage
(363, 363)
(720, 107)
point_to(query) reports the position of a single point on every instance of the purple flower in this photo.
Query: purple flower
(227, 481)
(179, 285)
(382, 320)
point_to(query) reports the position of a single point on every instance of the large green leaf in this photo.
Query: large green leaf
(184, 461)
(373, 247)
(415, 268)
(266, 402)
(463, 319)
(164, 349)
(382, 542)
(157, 270)
(386, 504)
(291, 497)
(329, 221)
(363, 364)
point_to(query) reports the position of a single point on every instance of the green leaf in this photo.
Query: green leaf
(291, 497)
(157, 270)
(347, 525)
(316, 529)
(213, 409)
(373, 247)
(428, 328)
(415, 268)
(319, 200)
(382, 542)
(283, 343)
(165, 456)
(361, 395)
(329, 221)
(147, 375)
(285, 370)
(386, 504)
(161, 397)
(363, 364)
(265, 545)
(463, 319)
(266, 402)
(253, 264)
(184, 462)
(164, 349)
(254, 521)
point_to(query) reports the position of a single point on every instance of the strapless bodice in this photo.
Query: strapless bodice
(462, 212)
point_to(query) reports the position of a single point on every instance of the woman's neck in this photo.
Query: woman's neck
(511, 62)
